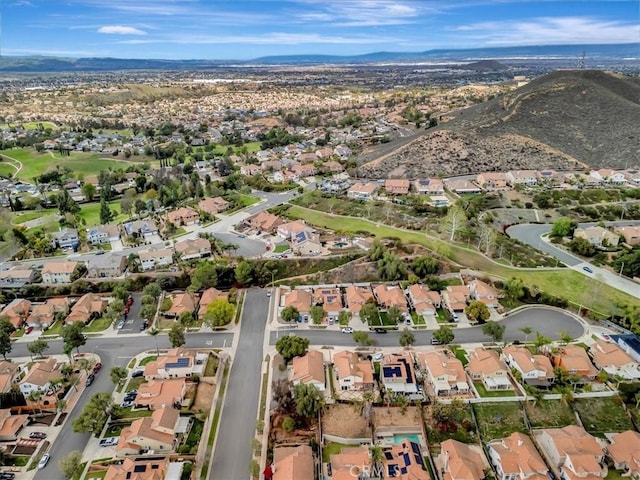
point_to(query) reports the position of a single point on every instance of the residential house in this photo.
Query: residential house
(289, 229)
(66, 238)
(548, 177)
(629, 343)
(155, 257)
(145, 469)
(293, 463)
(424, 301)
(182, 216)
(350, 462)
(156, 433)
(632, 176)
(181, 303)
(535, 370)
(286, 176)
(303, 171)
(17, 312)
(324, 152)
(157, 394)
(309, 369)
(331, 301)
(58, 272)
(397, 186)
(88, 307)
(332, 167)
(362, 191)
(631, 234)
(214, 205)
(397, 373)
(389, 296)
(459, 461)
(483, 292)
(492, 181)
(16, 277)
(342, 151)
(351, 372)
(306, 243)
(109, 265)
(40, 376)
(264, 222)
(307, 157)
(572, 450)
(455, 297)
(300, 299)
(485, 366)
(462, 186)
(444, 372)
(9, 374)
(624, 451)
(574, 359)
(196, 248)
(208, 296)
(405, 461)
(597, 236)
(614, 360)
(143, 229)
(177, 363)
(43, 315)
(356, 296)
(429, 186)
(522, 177)
(10, 425)
(103, 234)
(516, 458)
(250, 170)
(612, 177)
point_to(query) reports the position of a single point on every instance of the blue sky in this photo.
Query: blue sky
(223, 29)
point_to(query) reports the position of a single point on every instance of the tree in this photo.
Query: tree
(444, 335)
(377, 250)
(244, 273)
(186, 318)
(494, 330)
(527, 331)
(219, 312)
(309, 400)
(563, 227)
(289, 424)
(362, 338)
(35, 396)
(6, 329)
(514, 289)
(377, 458)
(425, 266)
(118, 375)
(37, 347)
(540, 341)
(394, 315)
(582, 246)
(455, 220)
(205, 276)
(94, 414)
(71, 464)
(477, 311)
(369, 314)
(390, 267)
(106, 215)
(152, 289)
(565, 338)
(176, 335)
(407, 338)
(317, 314)
(289, 314)
(343, 317)
(281, 394)
(89, 191)
(292, 346)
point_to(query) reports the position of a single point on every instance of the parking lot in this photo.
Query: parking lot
(134, 321)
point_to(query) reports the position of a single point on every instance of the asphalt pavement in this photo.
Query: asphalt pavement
(233, 453)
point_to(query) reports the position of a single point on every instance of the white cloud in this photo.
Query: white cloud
(121, 30)
(551, 31)
(363, 13)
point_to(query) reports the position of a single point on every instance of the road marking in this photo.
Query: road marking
(209, 342)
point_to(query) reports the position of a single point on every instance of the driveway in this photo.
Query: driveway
(133, 322)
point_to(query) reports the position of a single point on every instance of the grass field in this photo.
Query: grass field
(498, 420)
(601, 415)
(248, 200)
(30, 125)
(567, 283)
(6, 170)
(550, 414)
(91, 213)
(35, 164)
(32, 215)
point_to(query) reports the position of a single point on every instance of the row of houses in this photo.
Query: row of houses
(601, 237)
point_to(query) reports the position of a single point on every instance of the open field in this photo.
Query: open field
(35, 164)
(567, 283)
(550, 414)
(7, 170)
(29, 125)
(498, 420)
(601, 415)
(90, 212)
(33, 214)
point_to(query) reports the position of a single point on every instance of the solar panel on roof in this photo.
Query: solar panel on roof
(415, 448)
(419, 460)
(139, 468)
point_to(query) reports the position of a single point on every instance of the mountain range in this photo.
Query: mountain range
(570, 53)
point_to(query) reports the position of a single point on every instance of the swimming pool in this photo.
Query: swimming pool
(412, 437)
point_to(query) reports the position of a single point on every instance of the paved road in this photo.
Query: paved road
(112, 351)
(549, 322)
(237, 427)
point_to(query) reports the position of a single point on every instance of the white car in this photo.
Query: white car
(43, 461)
(347, 330)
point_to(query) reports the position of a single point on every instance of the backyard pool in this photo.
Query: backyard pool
(413, 437)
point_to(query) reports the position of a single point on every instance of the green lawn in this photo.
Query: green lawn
(33, 214)
(128, 413)
(567, 283)
(281, 248)
(417, 319)
(95, 475)
(91, 213)
(484, 393)
(602, 415)
(549, 414)
(148, 359)
(135, 383)
(460, 353)
(55, 329)
(332, 448)
(29, 125)
(6, 170)
(498, 420)
(97, 325)
(252, 147)
(247, 200)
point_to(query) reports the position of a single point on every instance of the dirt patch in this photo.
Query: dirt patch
(204, 397)
(393, 417)
(302, 434)
(345, 421)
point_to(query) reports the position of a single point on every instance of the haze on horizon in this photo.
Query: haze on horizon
(242, 30)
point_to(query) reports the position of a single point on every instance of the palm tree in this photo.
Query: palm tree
(565, 338)
(154, 333)
(35, 396)
(637, 399)
(403, 402)
(377, 457)
(527, 331)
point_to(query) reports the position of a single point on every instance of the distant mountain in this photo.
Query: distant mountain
(573, 52)
(567, 119)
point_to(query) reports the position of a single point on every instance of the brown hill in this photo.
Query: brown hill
(564, 120)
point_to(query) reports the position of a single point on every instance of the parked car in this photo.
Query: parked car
(127, 404)
(434, 341)
(97, 367)
(137, 373)
(90, 380)
(109, 441)
(38, 435)
(121, 325)
(144, 325)
(28, 329)
(7, 475)
(347, 330)
(587, 269)
(376, 357)
(43, 461)
(100, 252)
(380, 330)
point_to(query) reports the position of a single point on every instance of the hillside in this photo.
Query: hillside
(563, 120)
